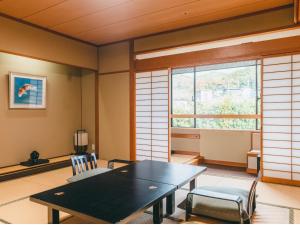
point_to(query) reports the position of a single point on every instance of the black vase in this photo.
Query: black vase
(34, 156)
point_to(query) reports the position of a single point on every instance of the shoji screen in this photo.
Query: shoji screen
(152, 115)
(281, 117)
(296, 117)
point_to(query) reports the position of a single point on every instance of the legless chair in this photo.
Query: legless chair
(80, 163)
(225, 203)
(93, 160)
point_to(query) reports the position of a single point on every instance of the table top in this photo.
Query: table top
(105, 197)
(115, 195)
(161, 172)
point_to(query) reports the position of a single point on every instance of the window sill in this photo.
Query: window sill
(214, 129)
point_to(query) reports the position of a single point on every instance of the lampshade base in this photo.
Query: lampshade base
(80, 150)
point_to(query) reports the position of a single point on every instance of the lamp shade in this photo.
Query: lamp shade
(81, 138)
(81, 141)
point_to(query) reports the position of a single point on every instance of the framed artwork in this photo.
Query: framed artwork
(27, 91)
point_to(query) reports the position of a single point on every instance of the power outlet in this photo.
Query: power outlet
(93, 147)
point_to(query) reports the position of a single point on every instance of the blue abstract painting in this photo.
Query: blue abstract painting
(27, 91)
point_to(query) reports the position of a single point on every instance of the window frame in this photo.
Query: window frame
(255, 116)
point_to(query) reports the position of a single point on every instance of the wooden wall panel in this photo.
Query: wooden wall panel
(114, 114)
(49, 131)
(24, 40)
(114, 101)
(114, 58)
(88, 90)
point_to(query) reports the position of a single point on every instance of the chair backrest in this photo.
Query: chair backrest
(251, 197)
(93, 160)
(79, 164)
(111, 163)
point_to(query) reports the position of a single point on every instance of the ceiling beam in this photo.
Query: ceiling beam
(247, 51)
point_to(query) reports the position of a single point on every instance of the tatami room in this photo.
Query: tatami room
(138, 111)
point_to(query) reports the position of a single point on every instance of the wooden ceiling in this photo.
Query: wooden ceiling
(106, 21)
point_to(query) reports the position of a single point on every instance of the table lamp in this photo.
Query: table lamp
(81, 142)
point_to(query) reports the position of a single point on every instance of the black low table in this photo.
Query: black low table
(166, 173)
(117, 196)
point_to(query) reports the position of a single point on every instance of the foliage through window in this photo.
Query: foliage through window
(231, 88)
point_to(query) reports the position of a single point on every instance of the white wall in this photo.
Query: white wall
(222, 145)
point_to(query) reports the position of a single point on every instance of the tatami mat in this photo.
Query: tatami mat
(16, 189)
(283, 195)
(25, 212)
(265, 214)
(274, 200)
(26, 186)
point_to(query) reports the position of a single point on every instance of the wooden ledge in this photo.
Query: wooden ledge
(35, 170)
(253, 153)
(280, 181)
(188, 136)
(225, 163)
(182, 152)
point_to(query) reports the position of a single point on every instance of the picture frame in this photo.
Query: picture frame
(27, 91)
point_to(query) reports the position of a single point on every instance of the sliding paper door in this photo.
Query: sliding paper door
(277, 113)
(281, 126)
(152, 115)
(143, 116)
(296, 117)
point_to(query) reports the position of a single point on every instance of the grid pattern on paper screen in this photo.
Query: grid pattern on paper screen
(152, 115)
(281, 117)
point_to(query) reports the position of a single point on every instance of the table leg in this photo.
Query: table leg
(170, 204)
(158, 212)
(192, 184)
(53, 216)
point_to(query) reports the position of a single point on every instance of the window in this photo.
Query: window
(223, 96)
(183, 96)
